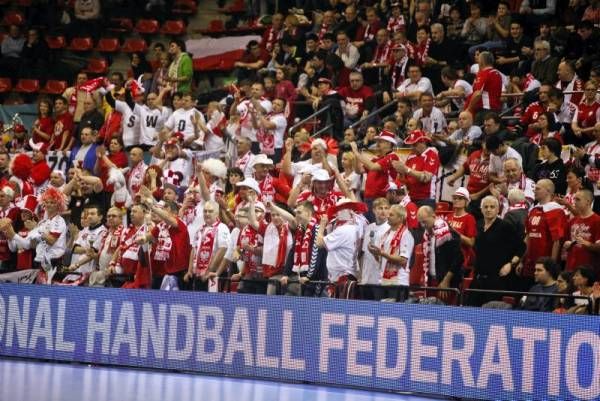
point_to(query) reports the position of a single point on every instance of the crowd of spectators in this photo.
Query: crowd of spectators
(495, 106)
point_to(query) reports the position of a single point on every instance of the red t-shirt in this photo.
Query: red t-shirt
(179, 249)
(477, 167)
(378, 181)
(411, 215)
(320, 204)
(586, 117)
(530, 116)
(489, 81)
(63, 130)
(589, 229)
(46, 126)
(356, 98)
(465, 225)
(426, 161)
(543, 228)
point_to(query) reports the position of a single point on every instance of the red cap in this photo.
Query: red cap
(417, 136)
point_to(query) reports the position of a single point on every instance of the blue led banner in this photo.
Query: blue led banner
(464, 352)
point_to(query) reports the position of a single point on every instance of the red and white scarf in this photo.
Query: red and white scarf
(129, 246)
(112, 240)
(267, 189)
(249, 236)
(382, 53)
(396, 24)
(243, 161)
(136, 177)
(322, 31)
(439, 235)
(272, 37)
(422, 52)
(302, 249)
(205, 247)
(399, 76)
(390, 269)
(278, 241)
(266, 138)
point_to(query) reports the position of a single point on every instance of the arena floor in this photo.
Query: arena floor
(23, 380)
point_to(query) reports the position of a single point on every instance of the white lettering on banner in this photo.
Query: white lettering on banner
(61, 343)
(185, 332)
(102, 327)
(153, 331)
(213, 334)
(240, 339)
(496, 342)
(262, 359)
(287, 361)
(18, 321)
(572, 362)
(419, 350)
(356, 345)
(42, 325)
(386, 325)
(126, 333)
(461, 356)
(327, 342)
(554, 363)
(529, 336)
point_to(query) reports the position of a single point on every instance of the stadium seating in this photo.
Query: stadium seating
(13, 18)
(27, 86)
(134, 45)
(108, 45)
(120, 25)
(147, 27)
(81, 44)
(54, 87)
(5, 85)
(97, 66)
(56, 42)
(173, 28)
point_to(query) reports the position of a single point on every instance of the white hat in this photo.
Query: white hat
(320, 175)
(462, 191)
(260, 205)
(250, 183)
(392, 186)
(319, 142)
(262, 159)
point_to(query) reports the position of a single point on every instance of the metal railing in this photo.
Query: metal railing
(374, 113)
(313, 117)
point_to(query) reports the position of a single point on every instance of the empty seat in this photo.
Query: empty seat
(173, 27)
(97, 66)
(216, 25)
(27, 86)
(108, 45)
(134, 45)
(147, 26)
(13, 18)
(121, 25)
(54, 87)
(81, 44)
(56, 42)
(5, 85)
(185, 7)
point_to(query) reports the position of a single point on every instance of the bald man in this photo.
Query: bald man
(443, 260)
(545, 228)
(466, 132)
(583, 234)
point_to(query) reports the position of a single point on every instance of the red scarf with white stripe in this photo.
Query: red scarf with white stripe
(267, 189)
(249, 236)
(276, 239)
(302, 245)
(431, 240)
(422, 52)
(382, 53)
(205, 248)
(391, 269)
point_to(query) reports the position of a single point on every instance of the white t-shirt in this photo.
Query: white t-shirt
(130, 124)
(151, 122)
(181, 121)
(233, 239)
(435, 122)
(279, 131)
(461, 83)
(55, 226)
(88, 237)
(497, 162)
(407, 243)
(371, 273)
(423, 85)
(472, 134)
(178, 171)
(212, 141)
(342, 246)
(243, 109)
(222, 237)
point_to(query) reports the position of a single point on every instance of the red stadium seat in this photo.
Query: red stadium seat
(54, 87)
(27, 86)
(97, 66)
(13, 18)
(134, 45)
(5, 85)
(216, 25)
(147, 26)
(121, 25)
(108, 45)
(56, 42)
(185, 7)
(81, 44)
(173, 28)
(442, 207)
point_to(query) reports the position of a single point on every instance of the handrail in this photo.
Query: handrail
(373, 113)
(305, 120)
